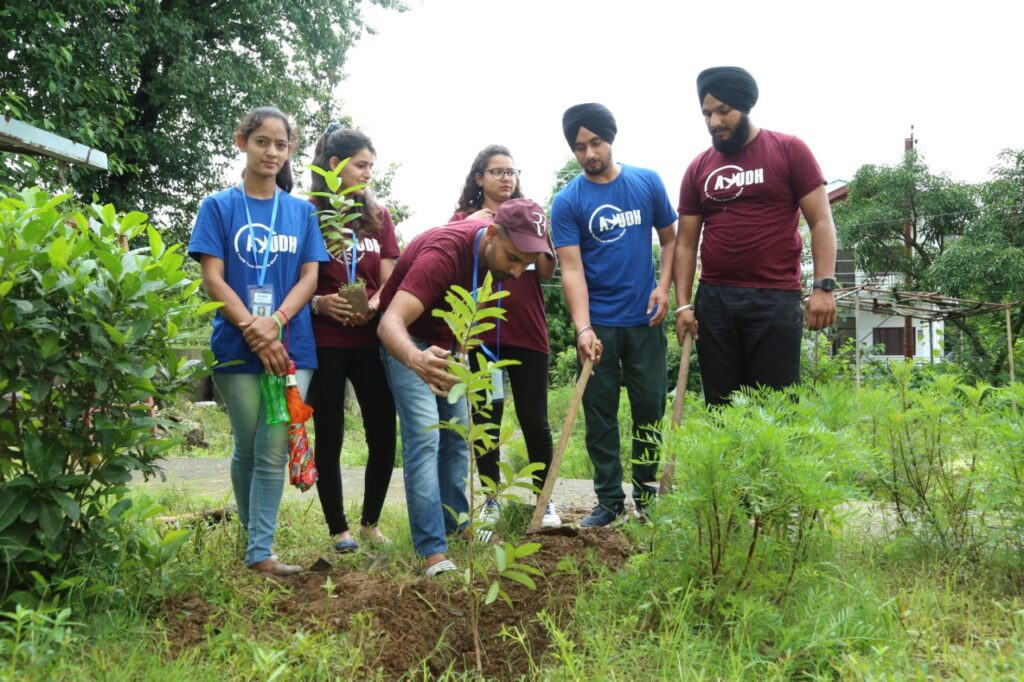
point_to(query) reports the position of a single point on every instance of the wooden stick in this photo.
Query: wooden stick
(677, 412)
(563, 442)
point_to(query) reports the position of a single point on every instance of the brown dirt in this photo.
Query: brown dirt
(402, 622)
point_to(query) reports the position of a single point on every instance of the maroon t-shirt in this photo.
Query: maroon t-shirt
(369, 252)
(430, 264)
(524, 325)
(750, 205)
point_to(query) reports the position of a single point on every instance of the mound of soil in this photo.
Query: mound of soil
(402, 623)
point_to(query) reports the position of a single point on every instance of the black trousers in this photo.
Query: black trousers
(363, 367)
(747, 337)
(529, 381)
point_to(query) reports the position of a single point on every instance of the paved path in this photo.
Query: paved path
(211, 477)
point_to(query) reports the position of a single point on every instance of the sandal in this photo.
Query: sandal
(482, 535)
(345, 546)
(274, 567)
(374, 536)
(443, 566)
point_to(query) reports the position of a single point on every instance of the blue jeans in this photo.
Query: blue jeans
(435, 461)
(258, 460)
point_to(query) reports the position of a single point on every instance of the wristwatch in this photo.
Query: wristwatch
(826, 284)
(314, 305)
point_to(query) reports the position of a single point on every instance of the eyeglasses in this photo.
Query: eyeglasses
(510, 173)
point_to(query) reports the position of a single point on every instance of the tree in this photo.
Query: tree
(159, 85)
(561, 333)
(966, 242)
(883, 199)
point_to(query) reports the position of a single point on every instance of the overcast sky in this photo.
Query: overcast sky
(438, 83)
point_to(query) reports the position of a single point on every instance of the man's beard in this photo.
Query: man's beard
(599, 170)
(735, 141)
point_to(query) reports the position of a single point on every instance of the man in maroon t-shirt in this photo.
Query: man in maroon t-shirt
(741, 201)
(416, 347)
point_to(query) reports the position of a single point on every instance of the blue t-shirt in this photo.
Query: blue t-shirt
(613, 226)
(222, 231)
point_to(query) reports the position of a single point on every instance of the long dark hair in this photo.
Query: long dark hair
(472, 197)
(253, 120)
(343, 143)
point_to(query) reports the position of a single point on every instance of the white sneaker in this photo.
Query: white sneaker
(490, 512)
(551, 518)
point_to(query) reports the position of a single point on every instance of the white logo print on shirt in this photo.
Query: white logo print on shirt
(608, 223)
(253, 254)
(727, 182)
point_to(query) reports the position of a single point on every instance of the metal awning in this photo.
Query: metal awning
(917, 304)
(22, 138)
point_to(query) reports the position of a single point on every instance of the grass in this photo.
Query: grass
(884, 608)
(879, 604)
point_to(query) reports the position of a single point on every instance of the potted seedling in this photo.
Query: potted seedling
(338, 239)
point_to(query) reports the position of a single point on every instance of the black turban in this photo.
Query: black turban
(729, 84)
(594, 117)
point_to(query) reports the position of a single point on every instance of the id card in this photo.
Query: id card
(498, 382)
(261, 301)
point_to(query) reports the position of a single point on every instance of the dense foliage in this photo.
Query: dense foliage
(87, 336)
(160, 86)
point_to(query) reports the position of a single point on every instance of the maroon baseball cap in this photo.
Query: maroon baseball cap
(526, 225)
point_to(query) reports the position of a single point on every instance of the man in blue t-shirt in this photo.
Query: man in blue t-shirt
(601, 224)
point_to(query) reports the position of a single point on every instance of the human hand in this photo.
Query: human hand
(338, 309)
(259, 332)
(659, 298)
(686, 322)
(274, 358)
(431, 365)
(821, 309)
(589, 346)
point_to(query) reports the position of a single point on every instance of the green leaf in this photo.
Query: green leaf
(12, 502)
(520, 578)
(58, 253)
(492, 592)
(51, 520)
(455, 393)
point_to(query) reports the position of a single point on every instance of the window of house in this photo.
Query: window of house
(891, 339)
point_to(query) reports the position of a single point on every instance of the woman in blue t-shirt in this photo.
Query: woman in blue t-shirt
(259, 249)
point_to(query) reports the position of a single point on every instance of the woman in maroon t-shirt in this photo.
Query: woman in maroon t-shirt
(347, 345)
(523, 336)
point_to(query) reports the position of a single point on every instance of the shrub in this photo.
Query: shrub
(87, 335)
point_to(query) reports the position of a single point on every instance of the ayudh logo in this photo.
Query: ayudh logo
(608, 223)
(727, 182)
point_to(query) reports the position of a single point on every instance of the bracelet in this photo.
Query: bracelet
(583, 330)
(280, 327)
(283, 314)
(688, 306)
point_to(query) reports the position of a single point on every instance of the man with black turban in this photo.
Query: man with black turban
(601, 224)
(741, 201)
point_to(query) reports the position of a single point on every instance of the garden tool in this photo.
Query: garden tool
(677, 412)
(556, 460)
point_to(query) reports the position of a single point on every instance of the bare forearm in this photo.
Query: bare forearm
(823, 249)
(577, 297)
(300, 293)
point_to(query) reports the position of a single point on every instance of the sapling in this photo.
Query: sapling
(337, 237)
(469, 316)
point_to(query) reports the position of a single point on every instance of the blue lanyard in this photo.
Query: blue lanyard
(495, 356)
(261, 270)
(355, 255)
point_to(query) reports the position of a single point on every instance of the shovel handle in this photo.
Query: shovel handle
(563, 442)
(677, 411)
